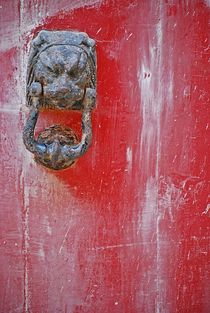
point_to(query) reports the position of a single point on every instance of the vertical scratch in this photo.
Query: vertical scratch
(26, 238)
(64, 239)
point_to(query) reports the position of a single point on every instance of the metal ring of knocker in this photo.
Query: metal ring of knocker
(61, 75)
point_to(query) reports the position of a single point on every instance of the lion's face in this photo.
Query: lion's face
(63, 73)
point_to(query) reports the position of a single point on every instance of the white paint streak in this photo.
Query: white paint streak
(129, 157)
(156, 90)
(149, 212)
(47, 225)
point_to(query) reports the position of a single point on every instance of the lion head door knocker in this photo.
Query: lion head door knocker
(61, 75)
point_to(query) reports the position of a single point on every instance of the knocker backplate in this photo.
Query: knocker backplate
(62, 76)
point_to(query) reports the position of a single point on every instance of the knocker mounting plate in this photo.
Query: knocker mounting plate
(61, 75)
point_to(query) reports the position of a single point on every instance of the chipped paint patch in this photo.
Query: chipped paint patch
(11, 33)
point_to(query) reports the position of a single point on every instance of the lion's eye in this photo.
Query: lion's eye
(73, 73)
(56, 71)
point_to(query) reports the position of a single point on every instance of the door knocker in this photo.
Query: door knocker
(61, 75)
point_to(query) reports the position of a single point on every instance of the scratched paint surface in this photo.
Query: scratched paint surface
(126, 228)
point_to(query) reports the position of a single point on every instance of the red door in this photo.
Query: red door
(126, 228)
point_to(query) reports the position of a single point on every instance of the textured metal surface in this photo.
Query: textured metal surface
(61, 75)
(55, 138)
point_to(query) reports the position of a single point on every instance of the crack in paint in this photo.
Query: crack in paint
(26, 237)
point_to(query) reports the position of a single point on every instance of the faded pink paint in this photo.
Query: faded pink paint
(126, 228)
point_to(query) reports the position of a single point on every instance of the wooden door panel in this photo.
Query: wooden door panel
(126, 228)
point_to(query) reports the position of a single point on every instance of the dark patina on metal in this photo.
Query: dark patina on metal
(61, 75)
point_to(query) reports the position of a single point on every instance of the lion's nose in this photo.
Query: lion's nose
(58, 89)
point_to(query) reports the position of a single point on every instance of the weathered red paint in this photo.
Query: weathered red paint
(126, 228)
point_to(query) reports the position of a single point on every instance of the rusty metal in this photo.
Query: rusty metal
(61, 75)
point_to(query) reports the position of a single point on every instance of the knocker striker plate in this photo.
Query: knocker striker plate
(61, 75)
